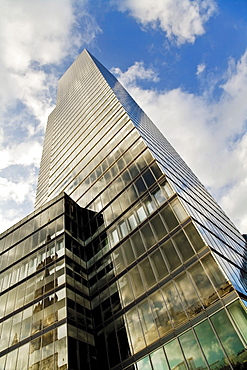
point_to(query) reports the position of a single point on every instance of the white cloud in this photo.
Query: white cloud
(26, 153)
(134, 73)
(209, 135)
(200, 68)
(181, 20)
(35, 38)
(18, 192)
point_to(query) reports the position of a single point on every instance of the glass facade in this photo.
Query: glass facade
(127, 262)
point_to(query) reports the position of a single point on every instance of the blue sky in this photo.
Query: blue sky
(184, 61)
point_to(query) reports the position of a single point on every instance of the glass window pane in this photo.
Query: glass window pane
(150, 206)
(147, 272)
(128, 252)
(239, 316)
(188, 295)
(229, 338)
(158, 226)
(159, 196)
(11, 360)
(141, 188)
(135, 330)
(174, 355)
(147, 235)
(170, 254)
(210, 346)
(173, 304)
(169, 218)
(160, 313)
(168, 190)
(136, 281)
(132, 222)
(222, 285)
(204, 287)
(148, 177)
(138, 245)
(125, 290)
(192, 351)
(123, 228)
(141, 213)
(194, 237)
(178, 210)
(148, 324)
(183, 245)
(158, 360)
(159, 265)
(114, 237)
(144, 364)
(118, 260)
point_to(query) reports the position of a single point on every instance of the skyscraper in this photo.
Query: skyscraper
(127, 262)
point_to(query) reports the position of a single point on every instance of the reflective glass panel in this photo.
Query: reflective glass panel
(144, 364)
(174, 355)
(229, 338)
(158, 360)
(192, 351)
(210, 346)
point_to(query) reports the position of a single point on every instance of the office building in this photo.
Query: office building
(127, 262)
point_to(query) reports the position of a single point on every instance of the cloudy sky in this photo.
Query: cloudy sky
(184, 61)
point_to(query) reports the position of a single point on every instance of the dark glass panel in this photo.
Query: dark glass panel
(147, 272)
(136, 281)
(169, 218)
(183, 245)
(128, 252)
(112, 345)
(149, 178)
(138, 245)
(158, 227)
(147, 235)
(156, 170)
(171, 255)
(194, 237)
(133, 170)
(158, 264)
(141, 188)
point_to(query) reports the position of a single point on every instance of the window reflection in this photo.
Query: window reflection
(174, 355)
(192, 351)
(211, 346)
(158, 360)
(229, 338)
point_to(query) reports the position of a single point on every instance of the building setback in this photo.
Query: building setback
(127, 262)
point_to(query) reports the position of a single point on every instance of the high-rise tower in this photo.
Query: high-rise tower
(136, 266)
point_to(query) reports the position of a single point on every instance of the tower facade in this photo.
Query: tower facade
(130, 263)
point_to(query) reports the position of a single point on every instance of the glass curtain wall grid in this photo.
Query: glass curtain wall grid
(127, 262)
